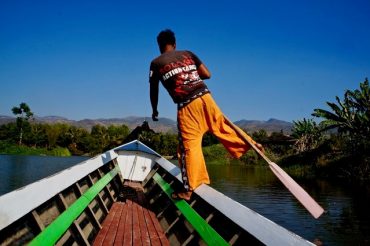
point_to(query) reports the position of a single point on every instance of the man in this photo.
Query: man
(182, 74)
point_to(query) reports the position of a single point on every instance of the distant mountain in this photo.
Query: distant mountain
(6, 119)
(53, 119)
(272, 125)
(163, 125)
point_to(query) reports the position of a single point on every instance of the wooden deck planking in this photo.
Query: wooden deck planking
(156, 234)
(127, 236)
(143, 226)
(136, 234)
(106, 225)
(121, 227)
(131, 223)
(110, 237)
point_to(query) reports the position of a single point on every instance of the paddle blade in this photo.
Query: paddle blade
(303, 197)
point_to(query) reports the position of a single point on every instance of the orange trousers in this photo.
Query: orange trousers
(194, 120)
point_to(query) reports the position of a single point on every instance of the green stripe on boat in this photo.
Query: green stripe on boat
(207, 233)
(60, 225)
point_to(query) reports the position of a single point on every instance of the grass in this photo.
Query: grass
(217, 153)
(13, 149)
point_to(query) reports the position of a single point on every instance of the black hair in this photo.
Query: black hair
(166, 37)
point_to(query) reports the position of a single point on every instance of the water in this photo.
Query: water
(18, 171)
(346, 221)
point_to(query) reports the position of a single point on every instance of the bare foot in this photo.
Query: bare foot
(182, 195)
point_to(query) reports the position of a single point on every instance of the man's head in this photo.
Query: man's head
(165, 39)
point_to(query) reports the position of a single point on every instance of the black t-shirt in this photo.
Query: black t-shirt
(177, 70)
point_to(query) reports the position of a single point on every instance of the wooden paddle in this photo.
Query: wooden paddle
(303, 197)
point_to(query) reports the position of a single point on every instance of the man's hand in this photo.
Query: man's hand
(155, 115)
(260, 147)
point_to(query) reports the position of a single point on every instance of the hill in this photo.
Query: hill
(271, 125)
(163, 125)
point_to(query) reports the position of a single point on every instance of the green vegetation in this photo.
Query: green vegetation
(215, 152)
(338, 146)
(65, 139)
(351, 144)
(26, 137)
(11, 149)
(307, 134)
(163, 143)
(25, 114)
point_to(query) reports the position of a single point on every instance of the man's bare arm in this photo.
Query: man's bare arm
(154, 99)
(204, 72)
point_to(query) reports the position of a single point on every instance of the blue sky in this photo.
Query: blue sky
(268, 59)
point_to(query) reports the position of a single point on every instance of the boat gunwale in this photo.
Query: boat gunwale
(271, 232)
(35, 193)
(52, 233)
(236, 212)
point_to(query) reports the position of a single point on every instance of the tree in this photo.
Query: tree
(99, 139)
(260, 136)
(307, 134)
(80, 141)
(168, 144)
(352, 115)
(278, 143)
(116, 135)
(38, 136)
(9, 132)
(53, 133)
(25, 114)
(209, 139)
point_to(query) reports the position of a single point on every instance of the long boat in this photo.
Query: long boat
(123, 197)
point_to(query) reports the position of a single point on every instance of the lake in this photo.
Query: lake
(345, 222)
(17, 171)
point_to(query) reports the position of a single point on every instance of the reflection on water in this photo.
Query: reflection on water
(345, 222)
